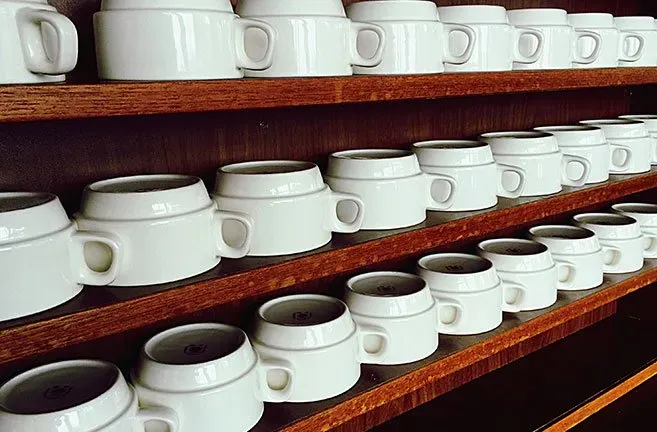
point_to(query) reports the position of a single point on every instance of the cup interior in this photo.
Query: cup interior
(372, 154)
(10, 202)
(455, 263)
(562, 232)
(268, 167)
(143, 184)
(450, 145)
(515, 247)
(569, 128)
(303, 311)
(612, 122)
(637, 208)
(517, 135)
(386, 284)
(605, 219)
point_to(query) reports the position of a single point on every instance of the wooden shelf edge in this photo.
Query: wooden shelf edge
(68, 101)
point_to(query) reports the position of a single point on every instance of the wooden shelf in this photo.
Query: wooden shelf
(103, 311)
(67, 101)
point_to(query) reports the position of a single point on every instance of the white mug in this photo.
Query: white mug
(43, 255)
(650, 120)
(589, 142)
(644, 26)
(394, 189)
(615, 44)
(77, 396)
(528, 264)
(621, 238)
(314, 38)
(576, 246)
(209, 375)
(416, 42)
(646, 215)
(293, 210)
(136, 40)
(538, 153)
(39, 45)
(560, 39)
(470, 296)
(169, 227)
(399, 305)
(498, 43)
(478, 177)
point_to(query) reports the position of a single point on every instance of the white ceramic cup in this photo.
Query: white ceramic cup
(590, 143)
(394, 189)
(314, 38)
(43, 255)
(318, 338)
(650, 120)
(169, 227)
(538, 153)
(632, 134)
(528, 264)
(644, 26)
(560, 39)
(399, 305)
(469, 293)
(293, 210)
(616, 45)
(176, 40)
(76, 396)
(479, 179)
(209, 375)
(576, 246)
(646, 215)
(416, 42)
(38, 44)
(621, 238)
(498, 43)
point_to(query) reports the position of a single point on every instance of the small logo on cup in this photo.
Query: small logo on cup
(302, 316)
(386, 289)
(57, 392)
(514, 250)
(454, 268)
(194, 349)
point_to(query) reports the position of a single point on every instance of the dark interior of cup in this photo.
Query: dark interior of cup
(606, 219)
(303, 311)
(515, 247)
(387, 285)
(638, 208)
(20, 201)
(267, 167)
(194, 345)
(562, 232)
(455, 264)
(142, 184)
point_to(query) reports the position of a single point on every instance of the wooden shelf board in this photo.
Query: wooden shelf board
(103, 311)
(20, 103)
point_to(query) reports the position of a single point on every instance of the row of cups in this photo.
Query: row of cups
(141, 40)
(207, 377)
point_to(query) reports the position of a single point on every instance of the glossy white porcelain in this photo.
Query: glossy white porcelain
(646, 27)
(646, 215)
(650, 120)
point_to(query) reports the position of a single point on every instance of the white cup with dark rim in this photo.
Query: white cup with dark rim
(400, 305)
(480, 180)
(644, 26)
(646, 215)
(470, 295)
(396, 193)
(77, 396)
(45, 258)
(576, 246)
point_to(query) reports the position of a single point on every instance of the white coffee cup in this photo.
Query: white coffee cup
(39, 45)
(169, 227)
(76, 396)
(394, 189)
(560, 39)
(538, 153)
(528, 264)
(399, 305)
(621, 238)
(576, 246)
(615, 45)
(498, 43)
(650, 121)
(644, 26)
(293, 210)
(314, 38)
(416, 42)
(478, 177)
(317, 337)
(632, 134)
(176, 40)
(590, 143)
(646, 215)
(470, 296)
(43, 255)
(209, 375)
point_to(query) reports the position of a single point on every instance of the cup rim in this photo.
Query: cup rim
(344, 154)
(482, 246)
(421, 263)
(635, 207)
(430, 144)
(409, 276)
(626, 220)
(523, 135)
(328, 299)
(231, 168)
(568, 128)
(617, 121)
(589, 234)
(47, 198)
(187, 182)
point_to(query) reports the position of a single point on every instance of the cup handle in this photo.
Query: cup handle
(581, 34)
(447, 303)
(269, 394)
(160, 414)
(586, 165)
(614, 254)
(335, 223)
(625, 35)
(243, 59)
(356, 58)
(521, 31)
(86, 275)
(567, 283)
(467, 53)
(513, 306)
(508, 193)
(36, 59)
(650, 251)
(222, 248)
(654, 151)
(367, 330)
(628, 157)
(447, 202)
